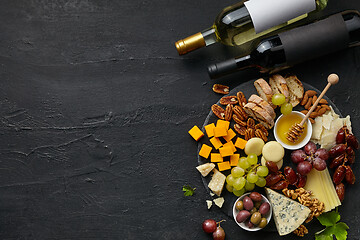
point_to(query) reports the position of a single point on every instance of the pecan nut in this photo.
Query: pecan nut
(222, 89)
(251, 123)
(228, 112)
(240, 112)
(259, 133)
(241, 98)
(218, 111)
(262, 128)
(239, 121)
(240, 129)
(228, 100)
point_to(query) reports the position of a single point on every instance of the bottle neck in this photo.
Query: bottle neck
(209, 36)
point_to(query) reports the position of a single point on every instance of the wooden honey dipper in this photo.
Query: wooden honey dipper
(297, 129)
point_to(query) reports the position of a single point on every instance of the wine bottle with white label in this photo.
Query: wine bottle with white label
(334, 33)
(246, 21)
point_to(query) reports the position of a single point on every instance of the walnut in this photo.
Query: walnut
(301, 231)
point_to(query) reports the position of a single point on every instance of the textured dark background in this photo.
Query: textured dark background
(95, 105)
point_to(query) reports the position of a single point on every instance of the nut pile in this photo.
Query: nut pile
(244, 125)
(308, 100)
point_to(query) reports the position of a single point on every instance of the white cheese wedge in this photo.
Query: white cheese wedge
(317, 128)
(208, 203)
(219, 202)
(205, 169)
(326, 120)
(347, 122)
(217, 182)
(288, 214)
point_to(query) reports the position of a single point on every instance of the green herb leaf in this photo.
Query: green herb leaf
(188, 191)
(340, 231)
(329, 218)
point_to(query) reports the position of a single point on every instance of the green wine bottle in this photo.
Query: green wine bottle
(243, 23)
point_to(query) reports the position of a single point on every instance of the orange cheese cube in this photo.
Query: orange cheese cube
(196, 133)
(224, 166)
(216, 142)
(210, 130)
(223, 123)
(226, 151)
(231, 134)
(216, 157)
(220, 131)
(240, 143)
(205, 151)
(231, 145)
(234, 159)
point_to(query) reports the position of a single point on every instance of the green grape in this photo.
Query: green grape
(286, 108)
(252, 158)
(261, 182)
(262, 171)
(239, 183)
(278, 99)
(230, 180)
(243, 163)
(240, 192)
(237, 172)
(229, 188)
(252, 177)
(249, 186)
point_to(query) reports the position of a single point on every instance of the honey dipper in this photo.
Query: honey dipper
(297, 129)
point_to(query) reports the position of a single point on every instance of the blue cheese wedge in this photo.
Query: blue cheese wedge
(288, 214)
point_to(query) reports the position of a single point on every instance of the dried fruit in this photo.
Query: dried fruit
(228, 100)
(272, 179)
(337, 150)
(352, 141)
(340, 136)
(337, 161)
(272, 166)
(228, 112)
(349, 175)
(339, 174)
(218, 111)
(222, 89)
(340, 190)
(280, 185)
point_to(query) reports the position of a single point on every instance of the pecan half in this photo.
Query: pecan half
(241, 98)
(239, 121)
(240, 129)
(250, 123)
(259, 133)
(218, 111)
(228, 112)
(240, 112)
(228, 100)
(222, 89)
(262, 128)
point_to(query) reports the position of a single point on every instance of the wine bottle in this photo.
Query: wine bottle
(285, 49)
(246, 21)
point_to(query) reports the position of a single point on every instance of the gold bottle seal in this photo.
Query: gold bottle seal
(189, 44)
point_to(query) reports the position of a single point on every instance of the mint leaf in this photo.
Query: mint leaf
(188, 191)
(340, 231)
(329, 219)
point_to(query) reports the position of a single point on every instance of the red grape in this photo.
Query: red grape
(219, 234)
(319, 164)
(304, 168)
(209, 225)
(298, 156)
(290, 175)
(310, 148)
(322, 153)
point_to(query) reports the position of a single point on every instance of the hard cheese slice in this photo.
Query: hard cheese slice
(288, 214)
(217, 182)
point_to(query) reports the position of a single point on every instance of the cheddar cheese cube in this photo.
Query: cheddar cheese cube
(205, 151)
(196, 133)
(240, 143)
(223, 123)
(210, 130)
(216, 142)
(220, 131)
(216, 157)
(224, 166)
(226, 151)
(231, 134)
(231, 144)
(234, 159)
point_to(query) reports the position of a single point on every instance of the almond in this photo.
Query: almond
(311, 93)
(322, 111)
(323, 101)
(228, 112)
(326, 107)
(304, 100)
(218, 111)
(314, 99)
(304, 112)
(314, 115)
(222, 89)
(228, 100)
(312, 120)
(308, 104)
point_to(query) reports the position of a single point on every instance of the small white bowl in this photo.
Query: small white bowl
(242, 225)
(299, 144)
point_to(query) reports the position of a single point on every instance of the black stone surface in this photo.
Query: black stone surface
(95, 105)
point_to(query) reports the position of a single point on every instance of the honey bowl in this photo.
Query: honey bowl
(283, 125)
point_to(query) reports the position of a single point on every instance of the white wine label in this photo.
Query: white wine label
(268, 13)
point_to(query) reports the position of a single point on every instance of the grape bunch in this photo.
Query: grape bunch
(342, 155)
(213, 227)
(280, 100)
(277, 181)
(246, 175)
(310, 157)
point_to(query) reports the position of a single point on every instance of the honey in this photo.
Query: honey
(284, 125)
